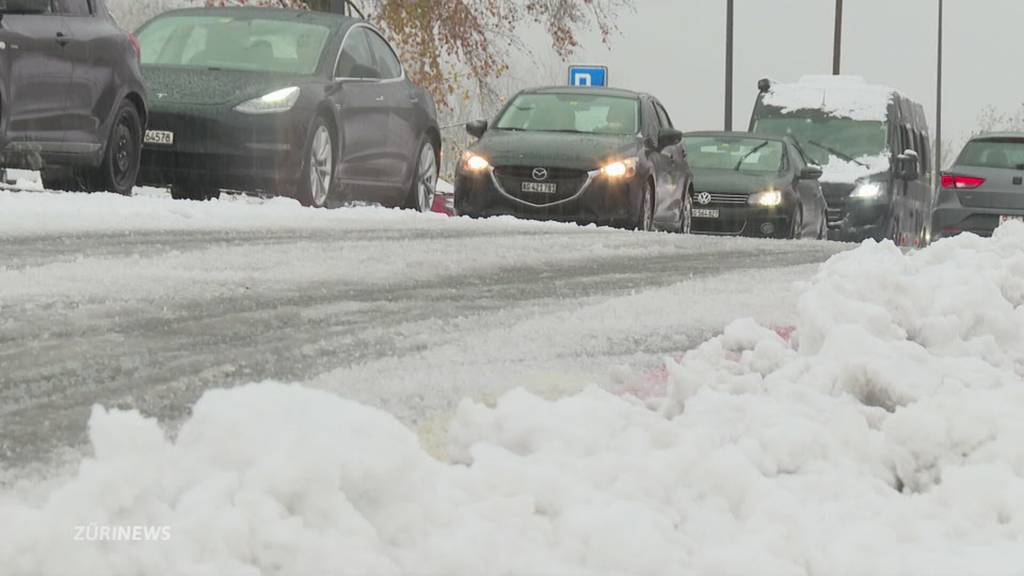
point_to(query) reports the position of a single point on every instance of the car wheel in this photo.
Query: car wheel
(686, 218)
(62, 180)
(823, 227)
(645, 218)
(120, 166)
(424, 184)
(318, 166)
(797, 231)
(194, 192)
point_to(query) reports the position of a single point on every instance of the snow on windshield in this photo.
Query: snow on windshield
(839, 171)
(882, 437)
(842, 96)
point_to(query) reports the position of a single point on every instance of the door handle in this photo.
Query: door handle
(380, 98)
(62, 39)
(414, 100)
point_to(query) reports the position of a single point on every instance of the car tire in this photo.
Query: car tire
(194, 192)
(644, 221)
(120, 166)
(823, 227)
(62, 180)
(424, 184)
(797, 229)
(316, 185)
(686, 216)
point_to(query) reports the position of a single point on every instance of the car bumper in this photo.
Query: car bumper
(745, 221)
(222, 148)
(862, 220)
(951, 221)
(598, 201)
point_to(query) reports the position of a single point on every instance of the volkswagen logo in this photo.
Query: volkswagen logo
(703, 198)
(540, 174)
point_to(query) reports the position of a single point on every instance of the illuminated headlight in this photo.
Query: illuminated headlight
(620, 169)
(767, 199)
(869, 191)
(278, 101)
(474, 163)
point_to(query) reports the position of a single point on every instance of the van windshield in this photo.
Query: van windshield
(822, 137)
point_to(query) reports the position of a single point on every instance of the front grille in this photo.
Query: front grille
(569, 183)
(526, 173)
(719, 227)
(722, 199)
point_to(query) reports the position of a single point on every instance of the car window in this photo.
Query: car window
(1007, 153)
(387, 61)
(356, 59)
(235, 43)
(652, 124)
(38, 7)
(663, 116)
(571, 112)
(75, 7)
(736, 153)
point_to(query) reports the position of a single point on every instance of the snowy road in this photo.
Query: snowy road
(146, 303)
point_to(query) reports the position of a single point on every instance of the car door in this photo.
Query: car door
(359, 96)
(669, 163)
(37, 75)
(92, 90)
(403, 137)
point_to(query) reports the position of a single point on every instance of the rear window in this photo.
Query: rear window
(994, 153)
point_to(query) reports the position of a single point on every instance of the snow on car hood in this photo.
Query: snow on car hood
(882, 438)
(839, 96)
(839, 171)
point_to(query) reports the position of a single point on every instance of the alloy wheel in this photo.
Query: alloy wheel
(686, 226)
(426, 182)
(321, 166)
(647, 211)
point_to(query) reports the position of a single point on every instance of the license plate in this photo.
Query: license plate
(1005, 219)
(705, 213)
(161, 137)
(540, 187)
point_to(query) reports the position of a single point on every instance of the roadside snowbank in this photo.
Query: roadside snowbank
(884, 437)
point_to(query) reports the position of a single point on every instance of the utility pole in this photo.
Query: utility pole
(837, 52)
(730, 13)
(938, 106)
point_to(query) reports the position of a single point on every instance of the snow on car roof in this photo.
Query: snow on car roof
(843, 96)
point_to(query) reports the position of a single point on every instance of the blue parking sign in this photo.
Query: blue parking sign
(595, 76)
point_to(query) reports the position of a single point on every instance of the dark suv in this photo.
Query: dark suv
(72, 102)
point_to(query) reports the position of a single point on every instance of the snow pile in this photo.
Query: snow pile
(839, 96)
(882, 438)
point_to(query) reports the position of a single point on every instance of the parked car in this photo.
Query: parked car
(586, 155)
(754, 185)
(984, 188)
(872, 143)
(297, 103)
(72, 100)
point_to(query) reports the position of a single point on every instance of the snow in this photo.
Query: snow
(881, 437)
(841, 171)
(840, 96)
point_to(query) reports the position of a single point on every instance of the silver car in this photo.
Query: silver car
(983, 189)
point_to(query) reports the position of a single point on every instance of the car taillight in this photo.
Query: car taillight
(135, 44)
(961, 182)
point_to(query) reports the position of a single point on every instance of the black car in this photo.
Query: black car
(297, 103)
(586, 155)
(873, 145)
(983, 189)
(754, 185)
(72, 101)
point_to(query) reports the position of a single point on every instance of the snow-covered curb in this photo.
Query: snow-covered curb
(883, 438)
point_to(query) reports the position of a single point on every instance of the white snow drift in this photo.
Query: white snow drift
(883, 438)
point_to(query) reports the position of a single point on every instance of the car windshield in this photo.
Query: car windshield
(739, 154)
(231, 43)
(572, 112)
(822, 137)
(1005, 153)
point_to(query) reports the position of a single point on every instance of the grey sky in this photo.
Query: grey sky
(675, 50)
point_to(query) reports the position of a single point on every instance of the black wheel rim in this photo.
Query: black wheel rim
(124, 152)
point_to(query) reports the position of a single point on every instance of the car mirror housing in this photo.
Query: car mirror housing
(811, 173)
(477, 128)
(669, 137)
(908, 165)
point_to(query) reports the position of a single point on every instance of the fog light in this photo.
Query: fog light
(767, 228)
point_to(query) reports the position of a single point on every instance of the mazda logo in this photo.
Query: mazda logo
(703, 198)
(540, 174)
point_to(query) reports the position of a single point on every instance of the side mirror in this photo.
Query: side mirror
(25, 7)
(668, 137)
(811, 172)
(908, 165)
(477, 128)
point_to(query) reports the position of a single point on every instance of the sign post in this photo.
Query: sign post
(588, 76)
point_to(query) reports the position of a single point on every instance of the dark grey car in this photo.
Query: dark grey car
(983, 189)
(71, 94)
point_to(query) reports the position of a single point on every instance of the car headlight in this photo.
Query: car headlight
(767, 199)
(474, 163)
(281, 100)
(867, 191)
(621, 169)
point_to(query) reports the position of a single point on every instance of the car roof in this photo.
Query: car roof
(310, 16)
(724, 134)
(621, 92)
(991, 135)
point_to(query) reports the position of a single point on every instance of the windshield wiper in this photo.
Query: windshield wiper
(749, 154)
(837, 153)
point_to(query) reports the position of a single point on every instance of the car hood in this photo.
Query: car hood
(198, 86)
(730, 181)
(555, 149)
